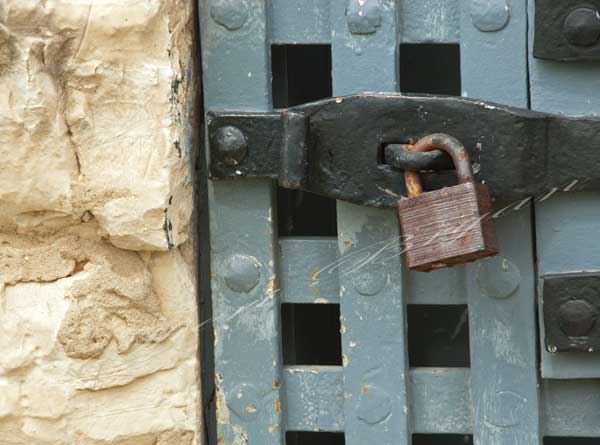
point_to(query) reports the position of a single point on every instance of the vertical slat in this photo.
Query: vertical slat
(236, 55)
(501, 291)
(493, 45)
(567, 224)
(367, 61)
(372, 302)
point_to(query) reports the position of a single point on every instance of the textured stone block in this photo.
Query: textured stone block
(98, 325)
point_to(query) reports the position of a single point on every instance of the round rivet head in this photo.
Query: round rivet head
(582, 27)
(231, 14)
(506, 409)
(369, 280)
(498, 277)
(232, 145)
(245, 401)
(490, 15)
(375, 405)
(363, 16)
(241, 273)
(576, 318)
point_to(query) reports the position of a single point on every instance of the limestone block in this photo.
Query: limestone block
(98, 315)
(98, 348)
(92, 97)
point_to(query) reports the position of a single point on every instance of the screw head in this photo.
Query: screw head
(576, 317)
(582, 27)
(232, 145)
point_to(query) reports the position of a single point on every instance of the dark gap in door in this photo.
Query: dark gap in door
(438, 336)
(311, 334)
(430, 69)
(442, 439)
(301, 74)
(314, 438)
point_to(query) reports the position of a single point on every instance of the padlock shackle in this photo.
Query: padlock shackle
(450, 145)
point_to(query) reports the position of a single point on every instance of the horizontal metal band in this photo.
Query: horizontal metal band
(440, 402)
(517, 153)
(311, 266)
(440, 399)
(308, 23)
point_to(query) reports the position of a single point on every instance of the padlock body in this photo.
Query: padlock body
(446, 227)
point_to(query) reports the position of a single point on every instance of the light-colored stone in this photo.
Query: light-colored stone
(98, 325)
(92, 96)
(104, 353)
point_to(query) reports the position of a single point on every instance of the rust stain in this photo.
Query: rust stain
(365, 389)
(272, 287)
(276, 384)
(277, 406)
(413, 184)
(221, 405)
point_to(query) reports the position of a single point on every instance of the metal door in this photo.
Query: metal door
(505, 392)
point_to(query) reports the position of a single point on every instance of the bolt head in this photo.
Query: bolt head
(232, 145)
(576, 317)
(582, 27)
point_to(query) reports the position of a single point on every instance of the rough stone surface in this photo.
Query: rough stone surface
(91, 98)
(98, 326)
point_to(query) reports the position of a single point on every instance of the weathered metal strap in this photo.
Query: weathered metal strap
(337, 147)
(567, 30)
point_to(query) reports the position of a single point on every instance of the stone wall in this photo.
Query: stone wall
(98, 327)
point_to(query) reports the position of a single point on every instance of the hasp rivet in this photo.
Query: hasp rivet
(576, 317)
(582, 26)
(232, 145)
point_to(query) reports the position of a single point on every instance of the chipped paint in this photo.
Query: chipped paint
(240, 435)
(250, 409)
(223, 417)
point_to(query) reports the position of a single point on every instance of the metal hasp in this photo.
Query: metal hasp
(571, 305)
(346, 147)
(567, 30)
(450, 226)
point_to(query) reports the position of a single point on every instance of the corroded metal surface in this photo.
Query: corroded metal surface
(571, 311)
(516, 152)
(568, 30)
(450, 226)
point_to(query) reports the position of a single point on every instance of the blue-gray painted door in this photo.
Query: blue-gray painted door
(447, 357)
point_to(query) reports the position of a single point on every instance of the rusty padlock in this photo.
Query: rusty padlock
(449, 226)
